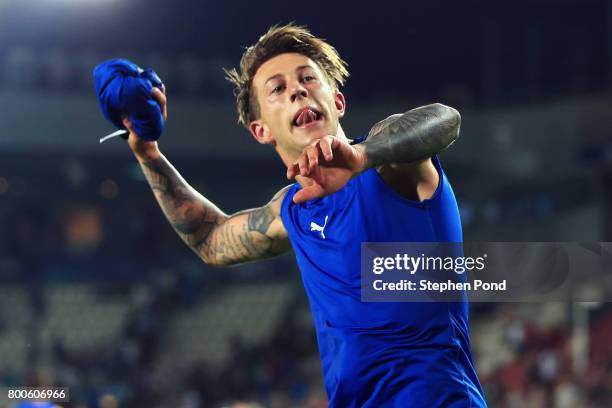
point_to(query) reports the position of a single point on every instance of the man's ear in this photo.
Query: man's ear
(340, 103)
(260, 132)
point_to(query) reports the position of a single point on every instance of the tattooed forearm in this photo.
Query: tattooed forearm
(190, 214)
(412, 136)
(215, 236)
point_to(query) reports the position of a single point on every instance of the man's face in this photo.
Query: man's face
(297, 103)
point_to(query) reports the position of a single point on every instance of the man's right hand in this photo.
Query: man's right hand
(143, 149)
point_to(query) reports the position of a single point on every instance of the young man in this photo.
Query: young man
(389, 187)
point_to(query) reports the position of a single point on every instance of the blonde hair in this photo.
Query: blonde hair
(279, 40)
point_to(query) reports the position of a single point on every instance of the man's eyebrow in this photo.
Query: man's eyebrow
(301, 67)
(276, 76)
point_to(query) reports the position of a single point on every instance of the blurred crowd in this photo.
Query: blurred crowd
(284, 370)
(125, 372)
(542, 370)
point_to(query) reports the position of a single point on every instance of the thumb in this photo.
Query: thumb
(132, 136)
(308, 193)
(127, 123)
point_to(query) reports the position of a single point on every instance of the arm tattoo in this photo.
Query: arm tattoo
(256, 242)
(260, 220)
(412, 136)
(191, 215)
(216, 237)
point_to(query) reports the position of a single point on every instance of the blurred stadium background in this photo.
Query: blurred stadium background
(99, 295)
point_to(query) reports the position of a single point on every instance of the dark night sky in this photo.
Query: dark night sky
(542, 47)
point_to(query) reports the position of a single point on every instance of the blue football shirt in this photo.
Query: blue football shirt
(378, 355)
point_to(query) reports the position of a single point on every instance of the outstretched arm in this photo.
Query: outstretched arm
(219, 239)
(399, 147)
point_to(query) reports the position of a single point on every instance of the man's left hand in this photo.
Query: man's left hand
(325, 167)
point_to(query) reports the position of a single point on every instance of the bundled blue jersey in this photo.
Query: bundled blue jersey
(381, 354)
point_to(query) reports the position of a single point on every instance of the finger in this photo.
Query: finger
(308, 193)
(326, 148)
(292, 171)
(132, 136)
(303, 163)
(313, 157)
(127, 123)
(304, 181)
(160, 97)
(334, 142)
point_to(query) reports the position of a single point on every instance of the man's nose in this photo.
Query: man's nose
(298, 91)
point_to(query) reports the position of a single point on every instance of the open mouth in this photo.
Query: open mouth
(306, 116)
